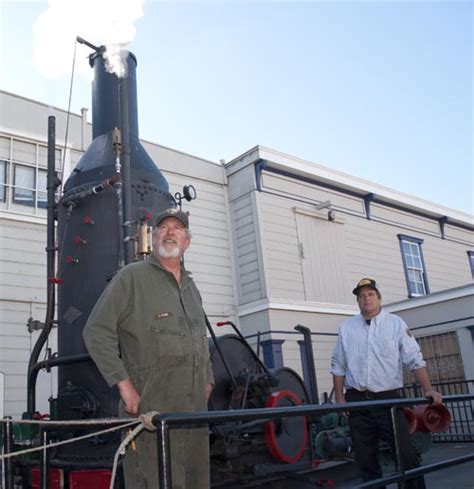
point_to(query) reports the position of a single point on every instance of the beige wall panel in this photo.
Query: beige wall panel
(241, 183)
(445, 269)
(405, 219)
(298, 188)
(171, 160)
(246, 254)
(283, 271)
(253, 323)
(463, 235)
(30, 118)
(5, 147)
(323, 259)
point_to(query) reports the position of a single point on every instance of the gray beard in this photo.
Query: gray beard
(166, 253)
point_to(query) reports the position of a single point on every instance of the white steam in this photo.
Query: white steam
(101, 22)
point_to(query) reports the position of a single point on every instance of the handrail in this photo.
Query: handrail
(165, 422)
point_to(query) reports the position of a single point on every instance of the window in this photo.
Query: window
(23, 175)
(443, 358)
(470, 255)
(413, 263)
(3, 180)
(24, 184)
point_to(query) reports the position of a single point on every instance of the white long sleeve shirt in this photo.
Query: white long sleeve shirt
(372, 357)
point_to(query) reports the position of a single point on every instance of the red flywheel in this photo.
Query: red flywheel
(286, 438)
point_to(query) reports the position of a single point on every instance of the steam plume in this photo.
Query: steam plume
(102, 22)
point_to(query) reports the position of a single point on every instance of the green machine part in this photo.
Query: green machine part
(24, 435)
(335, 443)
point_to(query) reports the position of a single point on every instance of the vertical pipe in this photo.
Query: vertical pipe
(396, 442)
(126, 170)
(164, 462)
(8, 448)
(51, 186)
(313, 382)
(44, 461)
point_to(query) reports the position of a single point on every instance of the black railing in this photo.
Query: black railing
(166, 422)
(461, 428)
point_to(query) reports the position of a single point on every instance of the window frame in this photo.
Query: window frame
(470, 257)
(417, 241)
(34, 198)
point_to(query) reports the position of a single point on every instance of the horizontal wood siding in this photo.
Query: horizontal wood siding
(246, 254)
(23, 261)
(283, 267)
(371, 246)
(208, 257)
(16, 343)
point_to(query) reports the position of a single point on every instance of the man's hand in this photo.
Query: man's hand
(341, 400)
(209, 388)
(129, 395)
(435, 395)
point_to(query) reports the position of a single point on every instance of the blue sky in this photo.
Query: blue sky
(380, 90)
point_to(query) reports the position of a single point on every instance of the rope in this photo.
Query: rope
(145, 421)
(65, 442)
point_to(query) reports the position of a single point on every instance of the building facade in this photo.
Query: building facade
(277, 242)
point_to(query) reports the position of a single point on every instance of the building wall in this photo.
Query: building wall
(350, 247)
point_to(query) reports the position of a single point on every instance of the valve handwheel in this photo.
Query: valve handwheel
(286, 438)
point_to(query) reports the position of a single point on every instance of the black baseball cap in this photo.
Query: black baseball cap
(173, 212)
(365, 282)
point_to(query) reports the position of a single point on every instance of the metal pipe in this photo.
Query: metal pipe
(126, 169)
(416, 472)
(117, 142)
(44, 460)
(80, 40)
(308, 346)
(8, 448)
(218, 348)
(164, 461)
(396, 442)
(33, 375)
(51, 185)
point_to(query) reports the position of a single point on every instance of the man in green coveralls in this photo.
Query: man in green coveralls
(147, 335)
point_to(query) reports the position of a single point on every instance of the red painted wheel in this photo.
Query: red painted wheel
(286, 438)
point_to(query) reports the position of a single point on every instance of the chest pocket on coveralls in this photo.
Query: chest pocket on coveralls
(169, 336)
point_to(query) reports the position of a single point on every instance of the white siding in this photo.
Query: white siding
(371, 246)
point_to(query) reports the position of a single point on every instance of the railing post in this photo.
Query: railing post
(44, 460)
(396, 442)
(8, 448)
(164, 462)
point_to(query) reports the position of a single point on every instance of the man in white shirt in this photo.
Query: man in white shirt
(368, 361)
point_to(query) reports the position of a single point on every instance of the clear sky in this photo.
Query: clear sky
(380, 90)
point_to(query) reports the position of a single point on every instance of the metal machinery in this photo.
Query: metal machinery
(104, 220)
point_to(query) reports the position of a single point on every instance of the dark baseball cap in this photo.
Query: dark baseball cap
(173, 212)
(365, 282)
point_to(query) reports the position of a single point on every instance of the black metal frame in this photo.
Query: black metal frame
(462, 413)
(166, 422)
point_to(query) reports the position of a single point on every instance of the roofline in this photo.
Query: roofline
(349, 183)
(425, 300)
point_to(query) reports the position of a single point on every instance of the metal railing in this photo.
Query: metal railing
(166, 422)
(461, 428)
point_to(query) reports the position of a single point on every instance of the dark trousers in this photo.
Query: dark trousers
(370, 426)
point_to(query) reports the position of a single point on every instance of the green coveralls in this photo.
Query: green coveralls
(148, 328)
